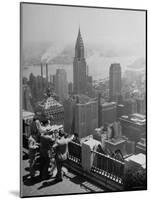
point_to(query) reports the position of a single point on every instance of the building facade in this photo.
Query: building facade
(140, 105)
(130, 106)
(107, 113)
(120, 110)
(69, 115)
(134, 126)
(86, 118)
(80, 115)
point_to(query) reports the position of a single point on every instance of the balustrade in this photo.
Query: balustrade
(102, 164)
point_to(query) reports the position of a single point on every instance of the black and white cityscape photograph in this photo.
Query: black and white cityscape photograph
(83, 99)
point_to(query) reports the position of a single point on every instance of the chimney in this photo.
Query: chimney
(47, 72)
(41, 70)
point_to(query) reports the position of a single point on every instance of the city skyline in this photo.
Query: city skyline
(92, 128)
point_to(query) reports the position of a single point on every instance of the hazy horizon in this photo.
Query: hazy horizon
(49, 32)
(122, 29)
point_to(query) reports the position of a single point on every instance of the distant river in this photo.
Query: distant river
(98, 66)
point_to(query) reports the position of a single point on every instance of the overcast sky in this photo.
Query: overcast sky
(60, 24)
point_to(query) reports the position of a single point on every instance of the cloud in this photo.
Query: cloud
(51, 53)
(137, 64)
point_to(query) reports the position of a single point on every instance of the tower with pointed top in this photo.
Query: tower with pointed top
(79, 67)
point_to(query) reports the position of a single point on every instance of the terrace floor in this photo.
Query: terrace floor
(72, 183)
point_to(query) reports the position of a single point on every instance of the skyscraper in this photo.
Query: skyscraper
(115, 82)
(107, 113)
(61, 84)
(86, 118)
(79, 67)
(80, 115)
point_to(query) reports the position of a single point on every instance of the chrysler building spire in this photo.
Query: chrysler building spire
(79, 47)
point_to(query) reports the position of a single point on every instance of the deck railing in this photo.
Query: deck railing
(74, 150)
(103, 165)
(108, 166)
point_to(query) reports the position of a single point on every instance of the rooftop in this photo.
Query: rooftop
(72, 183)
(139, 159)
(116, 141)
(106, 104)
(49, 103)
(135, 118)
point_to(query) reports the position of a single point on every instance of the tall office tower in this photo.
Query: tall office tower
(80, 115)
(115, 82)
(86, 118)
(79, 67)
(61, 84)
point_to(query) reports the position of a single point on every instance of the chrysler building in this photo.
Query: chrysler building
(79, 67)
